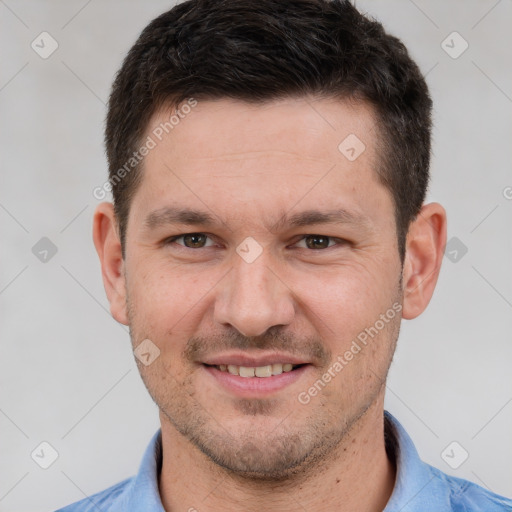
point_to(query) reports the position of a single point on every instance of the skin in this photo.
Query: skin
(248, 166)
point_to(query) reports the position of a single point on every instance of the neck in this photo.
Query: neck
(357, 476)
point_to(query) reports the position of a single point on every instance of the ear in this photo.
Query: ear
(108, 247)
(426, 240)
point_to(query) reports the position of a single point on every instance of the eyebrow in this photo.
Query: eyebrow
(310, 217)
(173, 215)
(190, 217)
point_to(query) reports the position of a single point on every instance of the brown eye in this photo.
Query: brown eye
(194, 240)
(190, 241)
(317, 241)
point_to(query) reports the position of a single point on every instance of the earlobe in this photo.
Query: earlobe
(108, 247)
(425, 245)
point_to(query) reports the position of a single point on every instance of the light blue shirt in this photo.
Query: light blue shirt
(418, 487)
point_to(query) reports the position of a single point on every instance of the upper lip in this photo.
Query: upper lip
(241, 359)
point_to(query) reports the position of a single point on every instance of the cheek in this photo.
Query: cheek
(344, 300)
(168, 299)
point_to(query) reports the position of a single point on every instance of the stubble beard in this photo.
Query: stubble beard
(276, 454)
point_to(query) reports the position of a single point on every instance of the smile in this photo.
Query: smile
(255, 381)
(257, 371)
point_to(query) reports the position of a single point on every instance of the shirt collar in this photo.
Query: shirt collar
(413, 476)
(144, 492)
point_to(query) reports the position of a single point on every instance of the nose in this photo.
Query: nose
(252, 298)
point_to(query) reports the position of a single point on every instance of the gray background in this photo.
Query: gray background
(67, 374)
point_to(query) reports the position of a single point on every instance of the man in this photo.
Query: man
(269, 164)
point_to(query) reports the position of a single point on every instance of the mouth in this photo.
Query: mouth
(245, 381)
(263, 372)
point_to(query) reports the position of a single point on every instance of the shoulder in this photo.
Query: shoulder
(466, 496)
(107, 500)
(420, 486)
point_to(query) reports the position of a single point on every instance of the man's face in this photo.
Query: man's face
(265, 281)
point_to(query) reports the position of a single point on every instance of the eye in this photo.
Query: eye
(192, 240)
(317, 242)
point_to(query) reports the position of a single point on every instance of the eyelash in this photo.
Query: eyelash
(340, 241)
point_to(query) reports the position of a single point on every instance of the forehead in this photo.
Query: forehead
(262, 157)
(225, 128)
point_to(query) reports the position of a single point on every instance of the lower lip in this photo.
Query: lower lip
(256, 386)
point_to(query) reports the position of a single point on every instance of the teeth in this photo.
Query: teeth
(233, 369)
(259, 371)
(263, 371)
(246, 371)
(277, 369)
